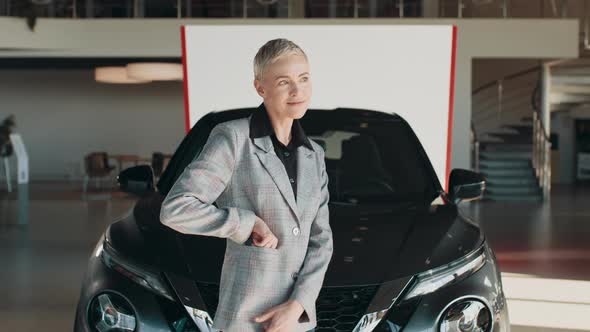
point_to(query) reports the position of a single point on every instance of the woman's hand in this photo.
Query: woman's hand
(262, 236)
(281, 318)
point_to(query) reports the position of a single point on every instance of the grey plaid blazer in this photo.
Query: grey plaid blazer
(246, 178)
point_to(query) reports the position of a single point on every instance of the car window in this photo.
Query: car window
(376, 162)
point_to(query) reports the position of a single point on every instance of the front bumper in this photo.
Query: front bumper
(155, 313)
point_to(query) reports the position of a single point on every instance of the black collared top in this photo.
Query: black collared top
(260, 126)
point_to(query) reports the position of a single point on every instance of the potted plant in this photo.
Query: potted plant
(5, 130)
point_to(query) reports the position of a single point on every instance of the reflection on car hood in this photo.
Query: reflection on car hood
(371, 244)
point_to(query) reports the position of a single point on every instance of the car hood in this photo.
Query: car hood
(372, 244)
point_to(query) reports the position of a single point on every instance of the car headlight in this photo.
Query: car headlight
(431, 280)
(139, 274)
(467, 315)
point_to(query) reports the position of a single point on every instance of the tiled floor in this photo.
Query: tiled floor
(548, 240)
(42, 262)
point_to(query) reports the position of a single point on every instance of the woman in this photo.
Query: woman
(271, 188)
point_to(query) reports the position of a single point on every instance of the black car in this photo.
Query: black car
(404, 257)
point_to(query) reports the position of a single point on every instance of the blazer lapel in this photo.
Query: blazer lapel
(276, 170)
(305, 177)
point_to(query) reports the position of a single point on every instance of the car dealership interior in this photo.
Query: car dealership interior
(455, 136)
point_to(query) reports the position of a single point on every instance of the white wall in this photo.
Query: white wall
(389, 68)
(476, 38)
(62, 115)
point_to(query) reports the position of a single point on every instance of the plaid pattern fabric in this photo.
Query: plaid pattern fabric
(245, 178)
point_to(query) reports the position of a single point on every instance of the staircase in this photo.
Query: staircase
(506, 164)
(504, 128)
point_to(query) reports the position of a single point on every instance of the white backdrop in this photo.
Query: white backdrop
(400, 69)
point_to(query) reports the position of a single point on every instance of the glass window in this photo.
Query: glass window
(376, 162)
(362, 8)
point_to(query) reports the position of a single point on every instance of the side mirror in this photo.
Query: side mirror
(138, 180)
(466, 185)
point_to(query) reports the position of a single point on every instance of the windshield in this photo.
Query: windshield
(371, 157)
(375, 162)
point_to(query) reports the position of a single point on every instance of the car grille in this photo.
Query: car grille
(338, 308)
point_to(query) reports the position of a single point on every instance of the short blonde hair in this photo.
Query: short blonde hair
(271, 51)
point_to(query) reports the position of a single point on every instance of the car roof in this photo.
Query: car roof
(340, 113)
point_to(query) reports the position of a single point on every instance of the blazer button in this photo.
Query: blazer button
(294, 275)
(296, 231)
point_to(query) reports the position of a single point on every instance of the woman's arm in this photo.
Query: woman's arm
(319, 253)
(188, 207)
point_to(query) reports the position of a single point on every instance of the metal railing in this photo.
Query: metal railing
(284, 8)
(503, 98)
(541, 153)
(213, 8)
(505, 8)
(541, 157)
(144, 8)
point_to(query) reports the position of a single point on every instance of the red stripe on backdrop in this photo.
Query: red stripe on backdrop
(187, 126)
(451, 106)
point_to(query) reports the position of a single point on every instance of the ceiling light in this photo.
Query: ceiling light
(155, 71)
(117, 75)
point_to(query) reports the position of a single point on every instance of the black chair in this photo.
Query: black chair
(96, 165)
